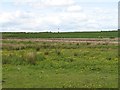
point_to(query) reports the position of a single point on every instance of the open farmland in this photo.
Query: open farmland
(102, 34)
(60, 62)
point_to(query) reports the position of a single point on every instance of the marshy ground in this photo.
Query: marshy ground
(60, 63)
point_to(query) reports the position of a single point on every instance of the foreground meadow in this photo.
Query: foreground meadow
(33, 64)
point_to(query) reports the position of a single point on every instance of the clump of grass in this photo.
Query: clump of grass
(100, 36)
(30, 57)
(88, 43)
(40, 57)
(95, 69)
(5, 60)
(46, 53)
(106, 43)
(23, 47)
(45, 46)
(86, 53)
(112, 37)
(70, 43)
(109, 58)
(17, 48)
(58, 52)
(37, 48)
(12, 59)
(77, 44)
(44, 42)
(75, 54)
(69, 59)
(22, 58)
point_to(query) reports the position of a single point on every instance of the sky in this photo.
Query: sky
(58, 15)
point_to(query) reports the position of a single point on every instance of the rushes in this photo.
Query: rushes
(63, 54)
(37, 48)
(58, 52)
(30, 57)
(46, 53)
(75, 54)
(33, 58)
(22, 58)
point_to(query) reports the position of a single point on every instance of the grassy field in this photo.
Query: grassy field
(102, 34)
(28, 64)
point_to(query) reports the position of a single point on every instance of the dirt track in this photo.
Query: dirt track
(75, 40)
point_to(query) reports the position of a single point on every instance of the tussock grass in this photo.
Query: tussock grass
(30, 57)
(59, 65)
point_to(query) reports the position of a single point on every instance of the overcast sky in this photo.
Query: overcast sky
(49, 15)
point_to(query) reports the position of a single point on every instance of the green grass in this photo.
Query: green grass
(59, 65)
(102, 34)
(35, 77)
